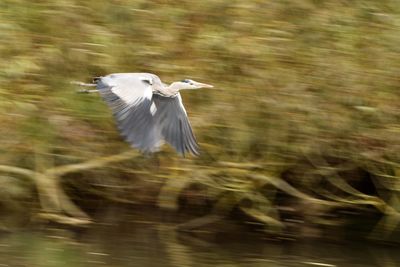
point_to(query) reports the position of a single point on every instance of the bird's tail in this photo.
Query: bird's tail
(96, 80)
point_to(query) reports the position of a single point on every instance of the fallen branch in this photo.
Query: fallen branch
(53, 200)
(91, 164)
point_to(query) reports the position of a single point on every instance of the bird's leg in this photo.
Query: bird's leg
(85, 85)
(86, 91)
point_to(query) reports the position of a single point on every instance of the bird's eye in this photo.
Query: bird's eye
(186, 81)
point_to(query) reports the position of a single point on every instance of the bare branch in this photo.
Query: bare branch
(91, 164)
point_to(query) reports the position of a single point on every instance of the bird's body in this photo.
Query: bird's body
(148, 111)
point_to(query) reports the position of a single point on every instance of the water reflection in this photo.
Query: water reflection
(139, 242)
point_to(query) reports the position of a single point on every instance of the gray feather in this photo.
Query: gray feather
(131, 109)
(130, 97)
(172, 121)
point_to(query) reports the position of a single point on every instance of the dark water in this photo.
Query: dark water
(146, 242)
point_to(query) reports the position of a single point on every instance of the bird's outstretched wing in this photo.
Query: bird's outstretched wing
(129, 95)
(172, 123)
(146, 119)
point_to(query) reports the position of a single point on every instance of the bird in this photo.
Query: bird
(148, 112)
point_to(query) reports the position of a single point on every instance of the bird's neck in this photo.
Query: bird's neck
(172, 89)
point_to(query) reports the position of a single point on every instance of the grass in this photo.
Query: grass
(299, 85)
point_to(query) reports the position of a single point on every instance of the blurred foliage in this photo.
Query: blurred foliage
(303, 88)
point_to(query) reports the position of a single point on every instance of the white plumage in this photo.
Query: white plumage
(148, 111)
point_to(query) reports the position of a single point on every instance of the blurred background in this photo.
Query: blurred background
(299, 136)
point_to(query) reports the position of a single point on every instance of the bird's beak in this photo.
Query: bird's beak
(203, 85)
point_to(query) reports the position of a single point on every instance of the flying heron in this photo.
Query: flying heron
(149, 112)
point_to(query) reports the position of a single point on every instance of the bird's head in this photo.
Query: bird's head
(190, 84)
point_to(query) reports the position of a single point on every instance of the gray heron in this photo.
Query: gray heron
(147, 111)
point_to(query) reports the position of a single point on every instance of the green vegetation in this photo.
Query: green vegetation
(305, 110)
